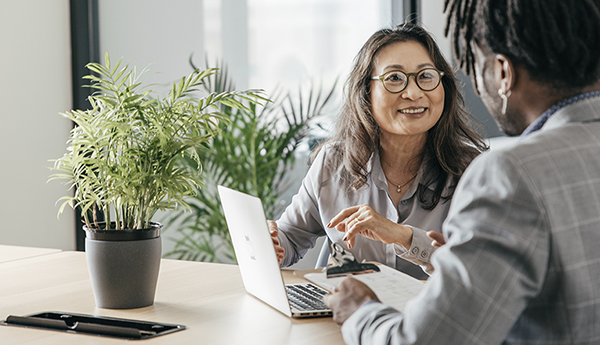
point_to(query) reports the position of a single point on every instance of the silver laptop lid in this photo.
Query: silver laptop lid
(253, 248)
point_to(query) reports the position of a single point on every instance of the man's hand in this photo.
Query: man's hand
(274, 232)
(347, 297)
(363, 220)
(437, 238)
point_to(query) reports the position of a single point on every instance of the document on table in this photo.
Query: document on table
(392, 287)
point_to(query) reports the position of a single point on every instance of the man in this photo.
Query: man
(522, 260)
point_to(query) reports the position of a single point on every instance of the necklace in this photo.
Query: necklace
(399, 186)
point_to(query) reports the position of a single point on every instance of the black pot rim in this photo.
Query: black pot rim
(123, 235)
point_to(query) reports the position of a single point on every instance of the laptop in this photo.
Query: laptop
(258, 263)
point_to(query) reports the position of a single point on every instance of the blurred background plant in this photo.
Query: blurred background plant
(253, 154)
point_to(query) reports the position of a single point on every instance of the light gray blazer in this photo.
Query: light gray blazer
(522, 262)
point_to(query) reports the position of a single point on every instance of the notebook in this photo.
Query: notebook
(257, 260)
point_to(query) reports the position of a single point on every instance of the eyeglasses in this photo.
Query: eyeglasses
(396, 81)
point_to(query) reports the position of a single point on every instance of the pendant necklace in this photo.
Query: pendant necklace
(399, 186)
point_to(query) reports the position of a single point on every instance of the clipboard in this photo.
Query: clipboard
(343, 263)
(93, 325)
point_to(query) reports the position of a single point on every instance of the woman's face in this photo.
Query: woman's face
(411, 112)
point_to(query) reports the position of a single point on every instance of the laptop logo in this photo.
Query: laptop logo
(250, 248)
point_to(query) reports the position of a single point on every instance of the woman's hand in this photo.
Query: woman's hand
(363, 220)
(437, 238)
(274, 232)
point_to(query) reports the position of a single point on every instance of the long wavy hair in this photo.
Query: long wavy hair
(452, 143)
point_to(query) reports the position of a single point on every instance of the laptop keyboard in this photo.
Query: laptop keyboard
(306, 296)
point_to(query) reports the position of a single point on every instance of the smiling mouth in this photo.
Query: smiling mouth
(412, 110)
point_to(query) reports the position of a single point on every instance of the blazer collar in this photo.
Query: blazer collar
(585, 110)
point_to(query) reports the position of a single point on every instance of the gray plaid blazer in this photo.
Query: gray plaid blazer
(522, 262)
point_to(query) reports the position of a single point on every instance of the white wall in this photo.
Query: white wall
(433, 20)
(35, 85)
(156, 34)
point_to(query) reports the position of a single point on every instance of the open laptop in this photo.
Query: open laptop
(258, 262)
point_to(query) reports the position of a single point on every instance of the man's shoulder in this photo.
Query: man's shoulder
(546, 143)
(558, 143)
(542, 158)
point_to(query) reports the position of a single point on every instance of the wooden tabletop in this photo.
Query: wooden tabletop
(10, 253)
(208, 298)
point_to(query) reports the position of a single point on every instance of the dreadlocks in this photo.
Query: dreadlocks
(556, 41)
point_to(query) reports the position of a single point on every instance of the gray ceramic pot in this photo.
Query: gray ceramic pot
(123, 266)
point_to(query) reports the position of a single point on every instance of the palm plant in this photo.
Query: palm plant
(122, 152)
(253, 155)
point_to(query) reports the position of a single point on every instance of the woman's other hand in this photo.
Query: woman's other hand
(437, 238)
(363, 220)
(274, 233)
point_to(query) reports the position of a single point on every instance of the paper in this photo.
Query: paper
(392, 287)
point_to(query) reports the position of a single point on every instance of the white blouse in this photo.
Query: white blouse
(323, 195)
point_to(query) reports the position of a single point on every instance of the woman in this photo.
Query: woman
(401, 144)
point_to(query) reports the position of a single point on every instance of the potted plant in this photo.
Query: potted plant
(121, 163)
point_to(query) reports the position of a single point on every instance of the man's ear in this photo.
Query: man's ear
(504, 73)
